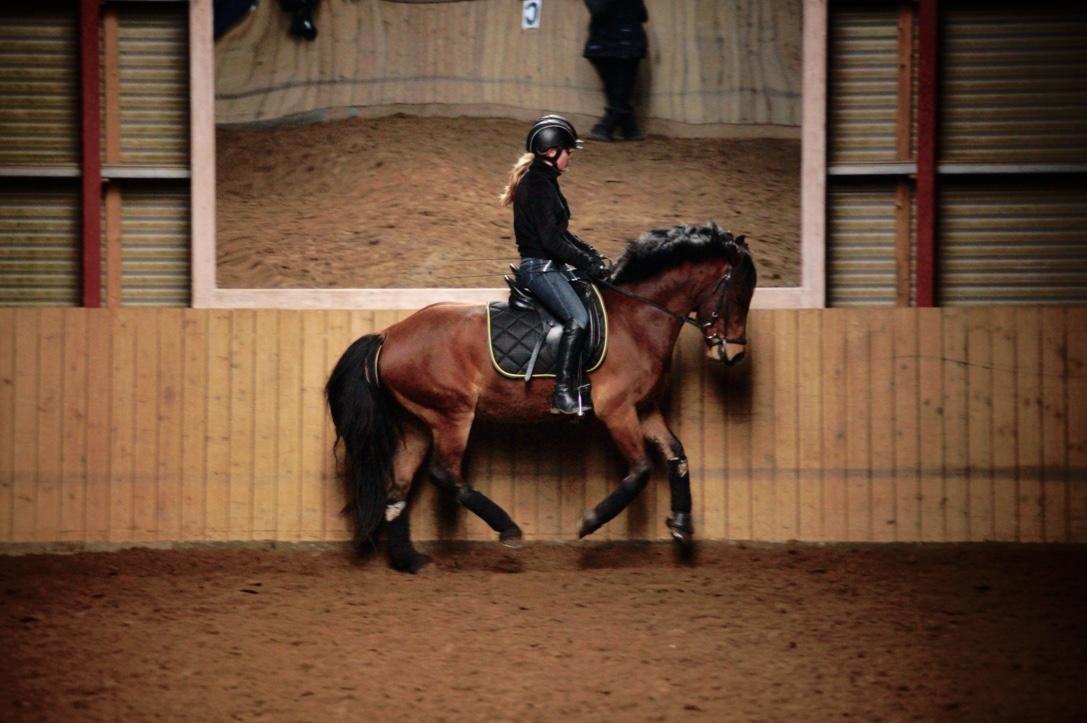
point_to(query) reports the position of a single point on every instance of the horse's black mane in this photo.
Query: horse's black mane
(662, 248)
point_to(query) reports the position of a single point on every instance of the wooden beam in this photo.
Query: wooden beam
(927, 115)
(91, 159)
(904, 151)
(202, 153)
(813, 152)
(111, 82)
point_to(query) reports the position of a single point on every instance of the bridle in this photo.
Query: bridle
(720, 309)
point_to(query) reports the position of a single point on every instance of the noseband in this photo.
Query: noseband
(715, 339)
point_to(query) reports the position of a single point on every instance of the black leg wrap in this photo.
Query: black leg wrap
(679, 480)
(402, 554)
(616, 502)
(487, 510)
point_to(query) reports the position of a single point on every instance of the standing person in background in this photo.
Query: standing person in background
(616, 43)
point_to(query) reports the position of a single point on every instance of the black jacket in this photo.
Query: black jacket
(540, 219)
(615, 29)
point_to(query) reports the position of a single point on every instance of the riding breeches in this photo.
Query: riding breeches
(548, 281)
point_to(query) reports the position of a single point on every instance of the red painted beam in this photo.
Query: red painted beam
(91, 162)
(928, 37)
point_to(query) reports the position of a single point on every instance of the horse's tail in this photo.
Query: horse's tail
(366, 422)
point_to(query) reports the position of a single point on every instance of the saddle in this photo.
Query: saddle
(524, 337)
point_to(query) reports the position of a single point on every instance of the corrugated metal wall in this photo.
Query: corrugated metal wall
(39, 259)
(140, 425)
(1013, 242)
(155, 236)
(862, 73)
(1014, 84)
(154, 49)
(40, 136)
(861, 224)
(39, 86)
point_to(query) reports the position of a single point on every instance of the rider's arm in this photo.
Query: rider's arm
(545, 210)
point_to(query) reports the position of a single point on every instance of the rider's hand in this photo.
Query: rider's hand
(599, 269)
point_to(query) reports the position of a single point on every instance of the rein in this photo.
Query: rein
(725, 283)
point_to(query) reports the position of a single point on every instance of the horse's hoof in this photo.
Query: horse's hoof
(411, 564)
(512, 538)
(681, 527)
(589, 525)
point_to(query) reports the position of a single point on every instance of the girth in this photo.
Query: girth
(524, 337)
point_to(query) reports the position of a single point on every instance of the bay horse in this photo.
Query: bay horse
(410, 394)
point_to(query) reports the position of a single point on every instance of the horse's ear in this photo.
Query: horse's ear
(741, 240)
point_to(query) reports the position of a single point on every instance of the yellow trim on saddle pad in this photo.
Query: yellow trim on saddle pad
(551, 375)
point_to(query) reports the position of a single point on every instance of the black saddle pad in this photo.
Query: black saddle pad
(513, 334)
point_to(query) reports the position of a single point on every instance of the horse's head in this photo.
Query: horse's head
(722, 313)
(712, 270)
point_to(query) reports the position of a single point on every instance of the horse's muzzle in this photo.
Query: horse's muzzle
(733, 354)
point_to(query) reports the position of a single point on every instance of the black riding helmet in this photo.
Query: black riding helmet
(551, 131)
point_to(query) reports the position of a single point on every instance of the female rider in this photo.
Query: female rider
(540, 219)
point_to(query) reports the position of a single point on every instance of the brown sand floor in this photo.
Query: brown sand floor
(552, 632)
(412, 202)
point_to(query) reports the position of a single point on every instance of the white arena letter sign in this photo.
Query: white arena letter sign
(530, 14)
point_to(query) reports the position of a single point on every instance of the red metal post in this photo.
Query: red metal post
(91, 123)
(927, 115)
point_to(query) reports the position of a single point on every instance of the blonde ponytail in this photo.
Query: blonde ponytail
(516, 174)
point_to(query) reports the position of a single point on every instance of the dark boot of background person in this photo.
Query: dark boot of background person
(629, 129)
(301, 17)
(564, 400)
(605, 127)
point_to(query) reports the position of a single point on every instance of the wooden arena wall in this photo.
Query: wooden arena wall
(167, 425)
(716, 67)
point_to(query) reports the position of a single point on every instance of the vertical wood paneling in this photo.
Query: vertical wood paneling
(908, 457)
(979, 353)
(26, 426)
(288, 458)
(881, 411)
(954, 424)
(1054, 424)
(243, 349)
(786, 495)
(931, 424)
(122, 425)
(1076, 323)
(48, 444)
(171, 401)
(195, 437)
(73, 450)
(1028, 339)
(266, 413)
(145, 481)
(858, 509)
(763, 445)
(314, 419)
(835, 414)
(100, 332)
(956, 436)
(220, 425)
(1005, 426)
(7, 424)
(809, 391)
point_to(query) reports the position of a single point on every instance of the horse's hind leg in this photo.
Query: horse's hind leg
(409, 456)
(656, 431)
(450, 439)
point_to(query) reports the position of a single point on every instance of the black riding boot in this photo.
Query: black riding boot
(605, 127)
(628, 127)
(564, 400)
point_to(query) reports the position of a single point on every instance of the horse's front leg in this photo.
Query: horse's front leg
(626, 432)
(656, 431)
